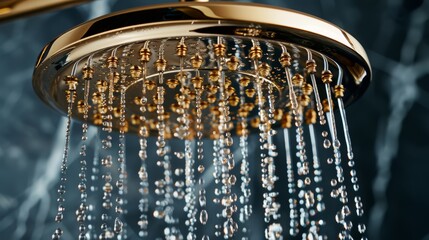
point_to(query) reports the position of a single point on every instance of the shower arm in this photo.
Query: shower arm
(13, 9)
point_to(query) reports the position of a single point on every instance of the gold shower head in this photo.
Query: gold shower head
(237, 27)
(208, 72)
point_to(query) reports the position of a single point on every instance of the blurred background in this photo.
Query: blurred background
(389, 124)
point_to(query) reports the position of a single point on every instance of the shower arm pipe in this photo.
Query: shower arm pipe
(13, 9)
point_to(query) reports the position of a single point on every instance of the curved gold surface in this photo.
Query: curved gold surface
(198, 19)
(265, 16)
(10, 9)
(286, 19)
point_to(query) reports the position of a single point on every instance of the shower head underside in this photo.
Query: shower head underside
(205, 73)
(220, 53)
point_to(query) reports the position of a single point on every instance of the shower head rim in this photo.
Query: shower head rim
(213, 11)
(253, 21)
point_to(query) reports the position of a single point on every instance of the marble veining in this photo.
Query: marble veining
(388, 125)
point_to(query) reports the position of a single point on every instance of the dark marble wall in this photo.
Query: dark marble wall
(389, 125)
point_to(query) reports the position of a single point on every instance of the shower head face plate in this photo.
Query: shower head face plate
(201, 25)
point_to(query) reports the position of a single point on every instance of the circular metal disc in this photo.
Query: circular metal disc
(201, 20)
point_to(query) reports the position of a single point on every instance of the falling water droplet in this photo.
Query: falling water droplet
(231, 163)
(339, 217)
(82, 187)
(345, 210)
(59, 231)
(311, 236)
(202, 200)
(293, 231)
(337, 143)
(274, 232)
(359, 212)
(309, 199)
(361, 228)
(320, 206)
(341, 236)
(355, 187)
(348, 225)
(228, 228)
(59, 217)
(326, 143)
(61, 208)
(204, 217)
(179, 155)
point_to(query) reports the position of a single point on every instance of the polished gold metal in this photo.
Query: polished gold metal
(219, 49)
(198, 70)
(233, 63)
(250, 92)
(305, 100)
(81, 106)
(297, 80)
(194, 1)
(181, 50)
(145, 54)
(286, 121)
(172, 83)
(285, 59)
(102, 86)
(88, 73)
(71, 82)
(11, 9)
(186, 22)
(264, 69)
(339, 91)
(161, 64)
(311, 66)
(310, 116)
(196, 61)
(254, 123)
(281, 20)
(307, 89)
(244, 81)
(255, 53)
(135, 71)
(112, 62)
(197, 82)
(325, 105)
(97, 119)
(327, 76)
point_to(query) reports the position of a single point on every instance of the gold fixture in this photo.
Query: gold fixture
(10, 9)
(206, 75)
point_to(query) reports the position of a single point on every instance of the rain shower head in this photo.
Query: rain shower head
(200, 77)
(240, 26)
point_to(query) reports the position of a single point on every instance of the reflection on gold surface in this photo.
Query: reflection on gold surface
(5, 10)
(11, 9)
(8, 3)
